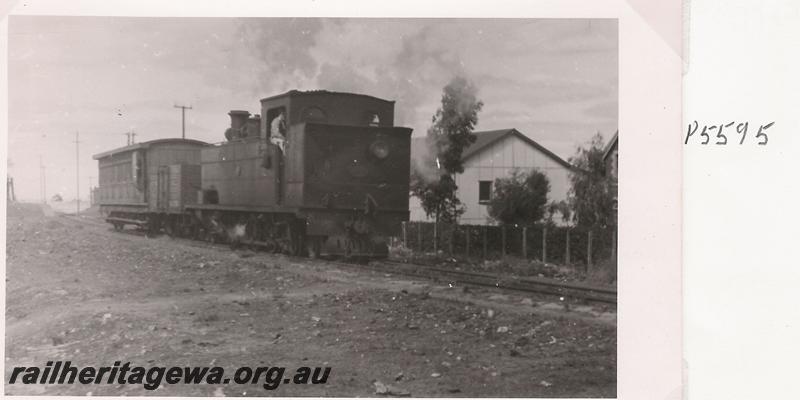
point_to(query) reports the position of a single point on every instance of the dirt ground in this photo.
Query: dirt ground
(81, 292)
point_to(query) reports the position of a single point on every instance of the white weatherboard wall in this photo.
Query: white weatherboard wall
(497, 161)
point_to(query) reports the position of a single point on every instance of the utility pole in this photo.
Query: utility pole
(183, 118)
(10, 196)
(77, 174)
(131, 137)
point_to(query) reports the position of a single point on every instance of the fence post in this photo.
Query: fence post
(525, 242)
(484, 242)
(544, 245)
(468, 235)
(452, 238)
(589, 252)
(503, 235)
(419, 236)
(405, 237)
(566, 256)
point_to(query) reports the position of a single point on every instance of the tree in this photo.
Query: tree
(437, 197)
(450, 133)
(520, 198)
(453, 123)
(558, 207)
(591, 197)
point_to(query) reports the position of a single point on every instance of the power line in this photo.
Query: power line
(183, 118)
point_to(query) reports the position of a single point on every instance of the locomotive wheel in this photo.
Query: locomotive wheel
(380, 250)
(313, 246)
(294, 240)
(295, 245)
(349, 248)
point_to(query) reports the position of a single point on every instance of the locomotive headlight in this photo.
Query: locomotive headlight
(379, 149)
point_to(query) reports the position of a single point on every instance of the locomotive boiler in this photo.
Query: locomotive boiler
(316, 173)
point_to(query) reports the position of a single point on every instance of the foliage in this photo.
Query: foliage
(437, 197)
(520, 198)
(453, 123)
(448, 136)
(592, 194)
(561, 208)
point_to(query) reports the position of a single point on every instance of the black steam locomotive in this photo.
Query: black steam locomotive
(318, 173)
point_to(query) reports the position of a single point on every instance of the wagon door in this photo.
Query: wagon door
(162, 192)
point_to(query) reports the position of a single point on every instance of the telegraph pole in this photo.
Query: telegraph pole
(183, 118)
(77, 174)
(131, 137)
(91, 192)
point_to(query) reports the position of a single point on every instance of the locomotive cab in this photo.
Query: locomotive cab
(345, 168)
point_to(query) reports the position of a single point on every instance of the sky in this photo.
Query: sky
(555, 80)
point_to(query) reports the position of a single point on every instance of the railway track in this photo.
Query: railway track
(535, 285)
(483, 279)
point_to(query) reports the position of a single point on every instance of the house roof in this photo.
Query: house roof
(485, 139)
(612, 144)
(144, 145)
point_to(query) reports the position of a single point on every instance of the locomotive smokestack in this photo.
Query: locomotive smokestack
(238, 122)
(238, 118)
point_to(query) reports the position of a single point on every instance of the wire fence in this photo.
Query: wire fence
(550, 244)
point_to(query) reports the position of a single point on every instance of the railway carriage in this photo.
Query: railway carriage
(146, 184)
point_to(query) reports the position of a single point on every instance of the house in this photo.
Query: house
(611, 156)
(611, 159)
(494, 155)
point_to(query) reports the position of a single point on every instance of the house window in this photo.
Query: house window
(484, 191)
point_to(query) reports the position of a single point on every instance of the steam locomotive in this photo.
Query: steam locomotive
(316, 173)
